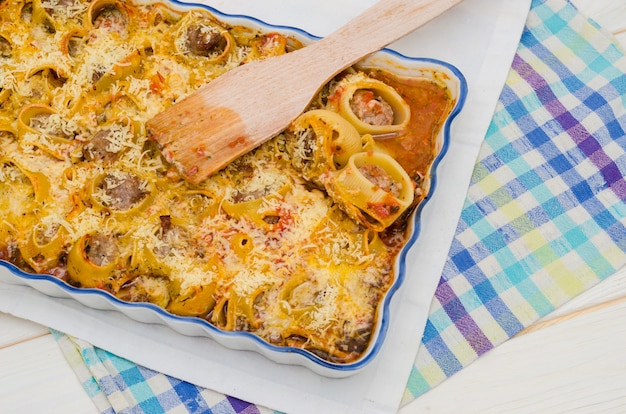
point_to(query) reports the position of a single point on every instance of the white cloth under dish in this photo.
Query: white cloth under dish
(480, 38)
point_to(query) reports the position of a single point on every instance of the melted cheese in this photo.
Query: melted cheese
(302, 235)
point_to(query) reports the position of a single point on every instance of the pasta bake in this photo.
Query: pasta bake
(295, 242)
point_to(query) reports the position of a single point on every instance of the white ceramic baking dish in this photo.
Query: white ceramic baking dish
(149, 313)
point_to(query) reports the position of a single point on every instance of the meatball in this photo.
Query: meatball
(101, 249)
(123, 191)
(100, 148)
(381, 178)
(371, 108)
(52, 125)
(205, 41)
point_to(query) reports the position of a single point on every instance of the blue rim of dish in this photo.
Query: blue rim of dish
(401, 260)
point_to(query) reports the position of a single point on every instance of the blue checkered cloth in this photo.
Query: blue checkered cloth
(542, 221)
(544, 214)
(117, 385)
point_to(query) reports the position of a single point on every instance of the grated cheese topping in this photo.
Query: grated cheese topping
(256, 247)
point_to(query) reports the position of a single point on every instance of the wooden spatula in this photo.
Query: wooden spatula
(245, 107)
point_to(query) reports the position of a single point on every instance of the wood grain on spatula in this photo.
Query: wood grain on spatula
(245, 107)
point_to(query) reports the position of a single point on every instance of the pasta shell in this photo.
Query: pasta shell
(128, 66)
(373, 189)
(92, 262)
(200, 36)
(42, 126)
(109, 15)
(323, 141)
(121, 193)
(252, 209)
(372, 106)
(45, 246)
(72, 42)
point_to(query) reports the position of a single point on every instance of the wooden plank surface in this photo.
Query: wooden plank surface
(36, 378)
(573, 361)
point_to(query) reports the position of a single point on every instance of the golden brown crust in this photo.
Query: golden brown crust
(86, 196)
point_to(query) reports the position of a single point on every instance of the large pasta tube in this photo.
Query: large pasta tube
(41, 17)
(297, 296)
(73, 42)
(111, 140)
(43, 249)
(373, 189)
(242, 244)
(146, 288)
(239, 312)
(193, 206)
(271, 44)
(6, 46)
(54, 16)
(372, 106)
(19, 198)
(4, 93)
(39, 181)
(92, 262)
(254, 208)
(109, 15)
(128, 66)
(121, 193)
(219, 315)
(199, 36)
(323, 141)
(22, 190)
(6, 51)
(144, 260)
(41, 126)
(44, 81)
(197, 300)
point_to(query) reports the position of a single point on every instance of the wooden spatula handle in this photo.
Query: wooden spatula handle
(245, 107)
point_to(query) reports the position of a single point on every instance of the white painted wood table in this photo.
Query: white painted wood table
(573, 361)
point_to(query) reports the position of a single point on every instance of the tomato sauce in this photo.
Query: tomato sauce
(430, 104)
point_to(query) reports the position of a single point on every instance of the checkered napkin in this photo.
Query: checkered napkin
(544, 215)
(542, 221)
(118, 386)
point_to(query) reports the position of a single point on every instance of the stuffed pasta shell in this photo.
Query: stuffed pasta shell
(295, 242)
(322, 140)
(201, 37)
(372, 188)
(372, 106)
